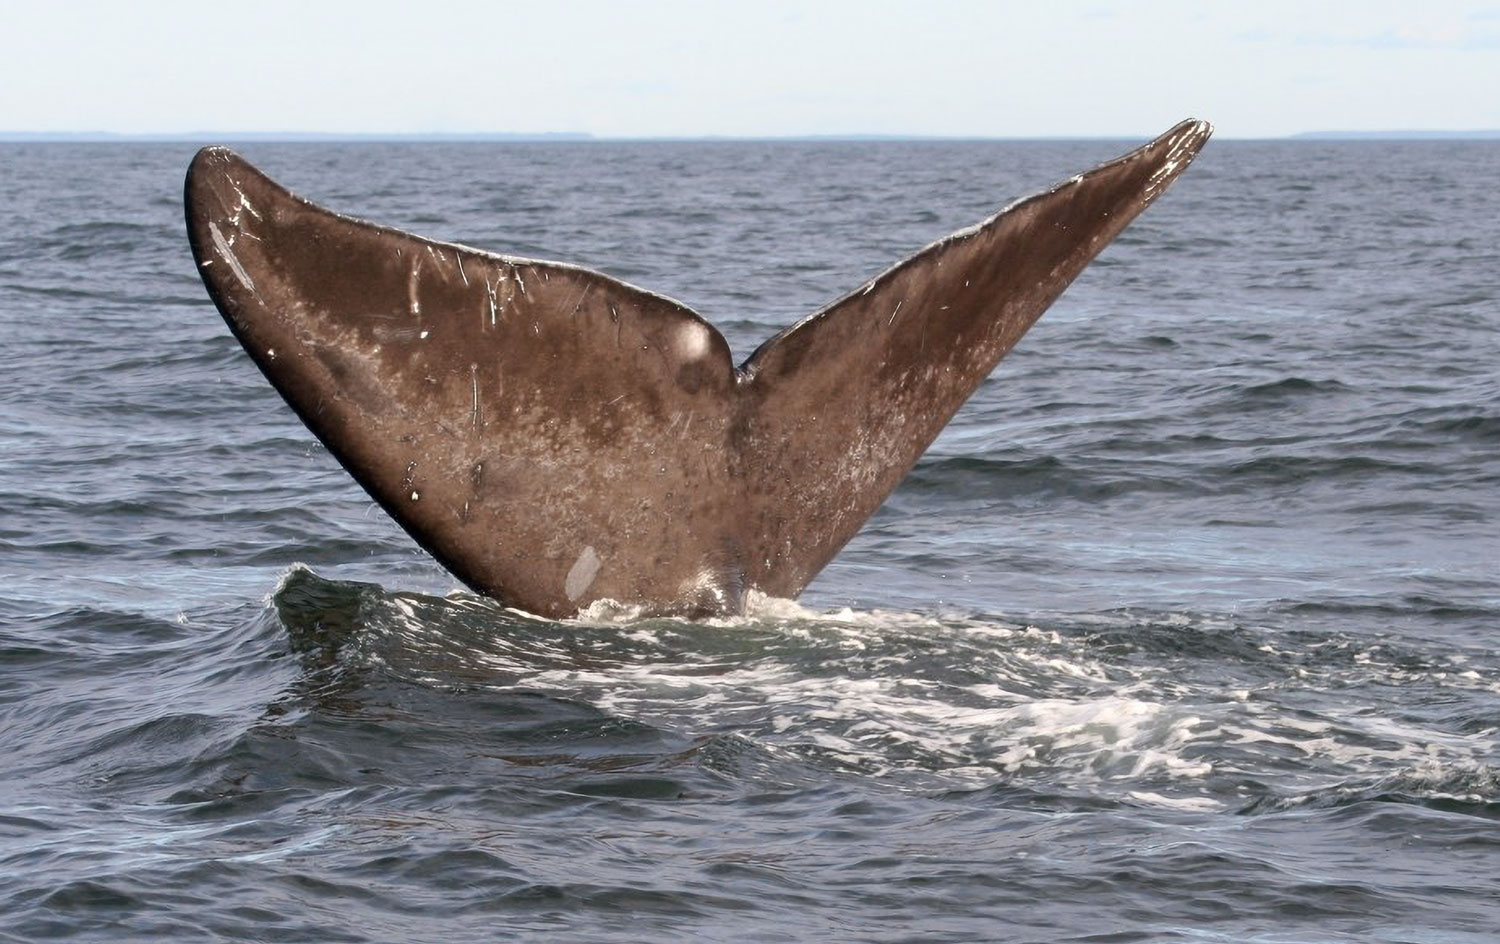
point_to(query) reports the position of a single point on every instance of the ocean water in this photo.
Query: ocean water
(1185, 630)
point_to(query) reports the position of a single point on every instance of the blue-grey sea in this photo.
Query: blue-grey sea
(1186, 630)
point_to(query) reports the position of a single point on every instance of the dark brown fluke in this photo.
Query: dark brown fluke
(555, 437)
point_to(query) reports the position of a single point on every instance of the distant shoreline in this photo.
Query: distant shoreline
(109, 137)
(1479, 135)
(317, 137)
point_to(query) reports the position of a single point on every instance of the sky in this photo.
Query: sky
(670, 68)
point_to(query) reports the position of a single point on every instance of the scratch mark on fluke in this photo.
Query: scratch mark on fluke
(226, 252)
(583, 437)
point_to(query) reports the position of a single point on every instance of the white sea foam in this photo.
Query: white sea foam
(953, 701)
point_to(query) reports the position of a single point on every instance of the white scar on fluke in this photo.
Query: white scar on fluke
(582, 574)
(572, 438)
(226, 252)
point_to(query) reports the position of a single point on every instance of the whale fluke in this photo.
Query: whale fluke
(554, 436)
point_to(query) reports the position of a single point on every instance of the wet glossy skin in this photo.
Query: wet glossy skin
(555, 437)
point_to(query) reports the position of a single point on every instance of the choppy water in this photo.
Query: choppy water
(1185, 630)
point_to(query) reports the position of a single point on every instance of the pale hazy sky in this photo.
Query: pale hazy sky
(765, 68)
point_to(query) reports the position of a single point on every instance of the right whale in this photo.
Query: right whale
(554, 436)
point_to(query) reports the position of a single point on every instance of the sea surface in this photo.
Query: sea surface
(1186, 630)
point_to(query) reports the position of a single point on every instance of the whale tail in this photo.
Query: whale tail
(554, 436)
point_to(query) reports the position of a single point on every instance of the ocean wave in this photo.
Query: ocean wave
(1461, 789)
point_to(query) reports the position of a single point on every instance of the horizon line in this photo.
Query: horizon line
(292, 137)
